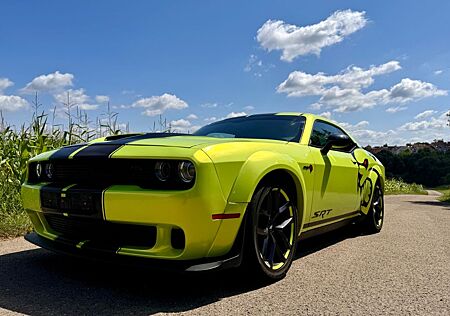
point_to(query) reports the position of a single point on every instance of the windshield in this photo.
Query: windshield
(264, 126)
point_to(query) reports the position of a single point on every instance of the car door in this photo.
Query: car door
(335, 177)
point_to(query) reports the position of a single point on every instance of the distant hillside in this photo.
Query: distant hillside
(424, 163)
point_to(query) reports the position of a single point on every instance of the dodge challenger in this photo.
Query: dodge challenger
(238, 192)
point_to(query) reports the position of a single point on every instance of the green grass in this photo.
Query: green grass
(445, 190)
(398, 186)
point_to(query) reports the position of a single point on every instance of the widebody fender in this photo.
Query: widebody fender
(257, 166)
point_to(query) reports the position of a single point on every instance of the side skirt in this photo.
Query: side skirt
(327, 228)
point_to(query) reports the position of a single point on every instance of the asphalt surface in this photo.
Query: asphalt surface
(404, 270)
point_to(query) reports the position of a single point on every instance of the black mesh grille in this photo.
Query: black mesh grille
(95, 230)
(106, 172)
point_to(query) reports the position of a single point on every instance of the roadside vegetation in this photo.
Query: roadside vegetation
(445, 190)
(398, 186)
(427, 167)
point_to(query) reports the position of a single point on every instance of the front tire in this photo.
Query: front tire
(271, 234)
(373, 222)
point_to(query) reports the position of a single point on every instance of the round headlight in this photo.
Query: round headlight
(186, 170)
(38, 170)
(49, 170)
(162, 170)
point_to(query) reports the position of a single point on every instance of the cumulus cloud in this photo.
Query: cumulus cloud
(425, 114)
(76, 98)
(12, 103)
(326, 114)
(5, 83)
(296, 41)
(101, 98)
(433, 122)
(235, 114)
(157, 105)
(395, 109)
(344, 92)
(183, 126)
(192, 117)
(181, 123)
(49, 82)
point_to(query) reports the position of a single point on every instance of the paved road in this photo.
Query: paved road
(403, 270)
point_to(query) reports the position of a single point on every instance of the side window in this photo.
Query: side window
(321, 131)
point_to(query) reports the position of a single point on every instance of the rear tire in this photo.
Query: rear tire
(373, 221)
(271, 233)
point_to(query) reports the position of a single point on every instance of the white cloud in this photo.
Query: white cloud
(425, 114)
(395, 109)
(235, 114)
(12, 103)
(181, 123)
(343, 92)
(49, 82)
(183, 126)
(438, 72)
(256, 66)
(192, 117)
(296, 41)
(326, 114)
(77, 98)
(210, 119)
(300, 83)
(209, 105)
(249, 108)
(433, 123)
(4, 84)
(101, 98)
(157, 105)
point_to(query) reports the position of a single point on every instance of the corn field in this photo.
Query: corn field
(18, 145)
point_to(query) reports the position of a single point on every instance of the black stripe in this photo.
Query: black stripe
(65, 152)
(101, 150)
(105, 149)
(126, 140)
(323, 221)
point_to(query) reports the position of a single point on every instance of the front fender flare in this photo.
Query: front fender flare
(259, 165)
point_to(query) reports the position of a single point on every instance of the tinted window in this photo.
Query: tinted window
(265, 126)
(321, 131)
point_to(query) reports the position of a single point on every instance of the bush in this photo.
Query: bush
(398, 186)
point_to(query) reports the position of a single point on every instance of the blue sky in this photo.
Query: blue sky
(381, 68)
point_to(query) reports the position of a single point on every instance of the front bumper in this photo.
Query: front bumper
(230, 260)
(189, 211)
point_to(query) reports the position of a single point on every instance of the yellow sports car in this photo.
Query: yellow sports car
(239, 191)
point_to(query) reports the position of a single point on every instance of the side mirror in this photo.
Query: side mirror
(334, 141)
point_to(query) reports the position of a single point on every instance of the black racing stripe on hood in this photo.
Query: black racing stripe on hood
(65, 152)
(105, 149)
(126, 140)
(100, 151)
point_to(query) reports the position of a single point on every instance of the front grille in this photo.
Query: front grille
(103, 232)
(77, 200)
(106, 172)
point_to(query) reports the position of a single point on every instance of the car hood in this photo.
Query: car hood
(182, 141)
(187, 141)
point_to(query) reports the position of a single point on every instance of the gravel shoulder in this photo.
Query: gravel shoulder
(405, 269)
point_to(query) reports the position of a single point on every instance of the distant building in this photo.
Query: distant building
(437, 145)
